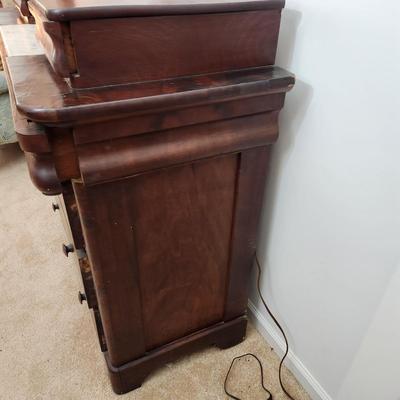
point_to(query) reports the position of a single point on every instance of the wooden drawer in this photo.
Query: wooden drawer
(67, 207)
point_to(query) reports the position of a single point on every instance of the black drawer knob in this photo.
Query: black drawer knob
(81, 297)
(55, 207)
(67, 248)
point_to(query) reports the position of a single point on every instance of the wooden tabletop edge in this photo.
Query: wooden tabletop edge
(65, 13)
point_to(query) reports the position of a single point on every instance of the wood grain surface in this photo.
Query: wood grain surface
(67, 10)
(154, 121)
(163, 47)
(44, 97)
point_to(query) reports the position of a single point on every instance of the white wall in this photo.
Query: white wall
(330, 230)
(375, 372)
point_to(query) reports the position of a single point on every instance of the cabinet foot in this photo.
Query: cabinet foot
(130, 376)
(230, 341)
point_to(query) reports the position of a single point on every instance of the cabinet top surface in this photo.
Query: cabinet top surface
(67, 10)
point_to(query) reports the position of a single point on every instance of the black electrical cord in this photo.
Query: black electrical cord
(261, 371)
(259, 362)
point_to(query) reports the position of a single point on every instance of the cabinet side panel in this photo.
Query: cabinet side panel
(183, 219)
(159, 247)
(107, 222)
(252, 176)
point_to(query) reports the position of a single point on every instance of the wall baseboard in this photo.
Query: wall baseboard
(299, 370)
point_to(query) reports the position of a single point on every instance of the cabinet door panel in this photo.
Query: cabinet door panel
(183, 219)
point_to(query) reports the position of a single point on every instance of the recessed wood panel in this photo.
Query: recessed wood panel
(152, 48)
(183, 219)
(159, 245)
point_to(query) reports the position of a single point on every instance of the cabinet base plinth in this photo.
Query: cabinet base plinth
(130, 376)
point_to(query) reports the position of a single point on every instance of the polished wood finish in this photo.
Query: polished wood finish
(213, 46)
(34, 83)
(141, 153)
(176, 118)
(159, 161)
(242, 35)
(65, 10)
(56, 42)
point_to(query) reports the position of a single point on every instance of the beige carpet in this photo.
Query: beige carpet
(48, 346)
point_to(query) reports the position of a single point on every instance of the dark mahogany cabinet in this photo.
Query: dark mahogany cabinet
(153, 121)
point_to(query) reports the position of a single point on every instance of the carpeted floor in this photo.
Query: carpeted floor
(48, 347)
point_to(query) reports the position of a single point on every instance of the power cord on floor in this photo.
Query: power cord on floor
(261, 371)
(254, 356)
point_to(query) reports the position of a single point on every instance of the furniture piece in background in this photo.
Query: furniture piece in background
(15, 12)
(15, 40)
(158, 158)
(7, 133)
(8, 16)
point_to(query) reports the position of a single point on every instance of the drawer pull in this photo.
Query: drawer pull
(55, 207)
(67, 248)
(81, 297)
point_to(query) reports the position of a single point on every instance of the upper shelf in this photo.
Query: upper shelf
(19, 40)
(45, 98)
(68, 10)
(92, 52)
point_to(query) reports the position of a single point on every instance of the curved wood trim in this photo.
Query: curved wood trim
(78, 114)
(36, 84)
(32, 137)
(51, 37)
(43, 173)
(136, 125)
(118, 159)
(143, 105)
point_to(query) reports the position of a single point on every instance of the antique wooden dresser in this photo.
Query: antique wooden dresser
(152, 121)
